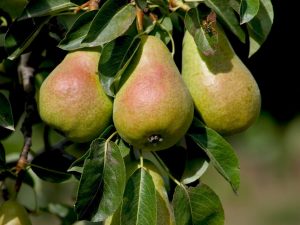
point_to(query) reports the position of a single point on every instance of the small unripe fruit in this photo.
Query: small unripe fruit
(13, 213)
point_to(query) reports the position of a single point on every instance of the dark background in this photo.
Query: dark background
(275, 65)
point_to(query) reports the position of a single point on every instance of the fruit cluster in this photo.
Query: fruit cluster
(154, 107)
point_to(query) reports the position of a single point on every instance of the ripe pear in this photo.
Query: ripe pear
(153, 109)
(223, 89)
(72, 100)
(12, 213)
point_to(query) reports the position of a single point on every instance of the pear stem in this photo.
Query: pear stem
(164, 166)
(139, 19)
(111, 136)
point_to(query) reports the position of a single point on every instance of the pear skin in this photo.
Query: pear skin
(224, 91)
(72, 100)
(153, 109)
(12, 213)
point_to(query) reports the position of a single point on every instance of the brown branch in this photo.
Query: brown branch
(26, 75)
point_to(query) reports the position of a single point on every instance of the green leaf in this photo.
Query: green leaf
(260, 26)
(196, 163)
(76, 167)
(6, 116)
(111, 21)
(45, 8)
(162, 29)
(114, 59)
(142, 4)
(205, 39)
(197, 205)
(124, 147)
(248, 10)
(139, 202)
(2, 157)
(224, 10)
(219, 151)
(52, 165)
(64, 212)
(102, 182)
(78, 32)
(22, 33)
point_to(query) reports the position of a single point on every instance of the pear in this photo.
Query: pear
(224, 91)
(12, 213)
(72, 100)
(153, 109)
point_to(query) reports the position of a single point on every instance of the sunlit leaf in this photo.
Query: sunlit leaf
(142, 4)
(163, 29)
(205, 38)
(197, 205)
(260, 26)
(6, 116)
(219, 151)
(78, 32)
(111, 21)
(102, 182)
(124, 148)
(45, 8)
(139, 202)
(224, 10)
(248, 10)
(196, 163)
(115, 57)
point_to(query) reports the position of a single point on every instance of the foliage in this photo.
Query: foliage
(35, 41)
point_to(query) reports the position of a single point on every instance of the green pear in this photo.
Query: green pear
(72, 100)
(224, 91)
(12, 213)
(153, 109)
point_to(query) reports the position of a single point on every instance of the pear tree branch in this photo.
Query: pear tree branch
(26, 75)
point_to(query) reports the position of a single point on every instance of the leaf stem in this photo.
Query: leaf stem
(171, 38)
(111, 136)
(164, 166)
(47, 169)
